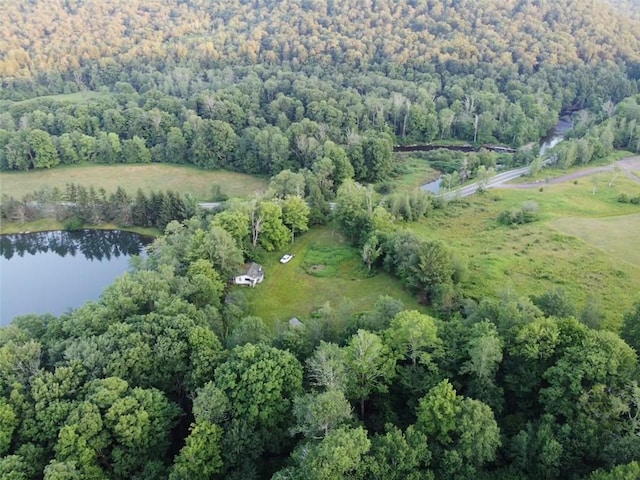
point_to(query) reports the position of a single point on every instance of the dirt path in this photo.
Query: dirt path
(627, 166)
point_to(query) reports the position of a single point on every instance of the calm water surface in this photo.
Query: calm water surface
(52, 272)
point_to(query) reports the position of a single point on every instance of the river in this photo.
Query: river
(556, 134)
(553, 137)
(52, 272)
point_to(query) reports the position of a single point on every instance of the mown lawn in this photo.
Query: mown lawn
(533, 258)
(149, 177)
(296, 289)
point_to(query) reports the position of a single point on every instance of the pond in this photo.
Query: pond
(53, 272)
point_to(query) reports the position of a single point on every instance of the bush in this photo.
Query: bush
(217, 195)
(74, 223)
(518, 216)
(513, 216)
(636, 200)
(623, 198)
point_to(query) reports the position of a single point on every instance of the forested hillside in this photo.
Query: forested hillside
(62, 36)
(242, 86)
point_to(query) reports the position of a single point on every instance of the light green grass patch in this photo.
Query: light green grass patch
(149, 177)
(337, 261)
(617, 236)
(554, 171)
(76, 97)
(591, 196)
(289, 291)
(46, 224)
(533, 258)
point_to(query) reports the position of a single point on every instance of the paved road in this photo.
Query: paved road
(209, 205)
(627, 166)
(493, 182)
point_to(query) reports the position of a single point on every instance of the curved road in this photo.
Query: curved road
(627, 166)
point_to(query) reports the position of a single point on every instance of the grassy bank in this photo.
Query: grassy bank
(412, 172)
(582, 241)
(149, 177)
(315, 276)
(45, 225)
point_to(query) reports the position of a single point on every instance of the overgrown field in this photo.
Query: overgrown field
(325, 269)
(619, 236)
(183, 179)
(583, 241)
(410, 171)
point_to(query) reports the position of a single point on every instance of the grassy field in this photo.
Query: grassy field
(554, 171)
(617, 236)
(183, 179)
(297, 288)
(533, 258)
(47, 224)
(76, 97)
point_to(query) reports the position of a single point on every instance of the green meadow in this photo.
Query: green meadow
(148, 177)
(583, 241)
(324, 269)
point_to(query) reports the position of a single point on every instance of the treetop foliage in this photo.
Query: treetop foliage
(358, 33)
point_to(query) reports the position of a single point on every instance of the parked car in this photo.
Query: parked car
(286, 258)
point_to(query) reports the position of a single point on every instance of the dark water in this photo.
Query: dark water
(556, 134)
(52, 272)
(433, 187)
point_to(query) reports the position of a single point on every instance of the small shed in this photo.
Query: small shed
(295, 323)
(252, 274)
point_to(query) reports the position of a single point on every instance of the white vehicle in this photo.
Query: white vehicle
(286, 258)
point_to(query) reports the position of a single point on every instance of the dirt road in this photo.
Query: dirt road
(627, 167)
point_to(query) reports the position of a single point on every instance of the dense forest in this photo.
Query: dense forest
(169, 376)
(220, 87)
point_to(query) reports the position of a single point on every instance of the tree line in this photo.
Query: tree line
(78, 205)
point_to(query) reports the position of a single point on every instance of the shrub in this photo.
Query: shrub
(517, 216)
(74, 223)
(217, 195)
(623, 198)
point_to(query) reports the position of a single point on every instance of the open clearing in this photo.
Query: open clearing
(533, 258)
(617, 236)
(289, 291)
(150, 177)
(77, 97)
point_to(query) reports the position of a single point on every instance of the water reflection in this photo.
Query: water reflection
(92, 244)
(52, 272)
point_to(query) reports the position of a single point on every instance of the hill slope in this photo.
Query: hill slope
(60, 35)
